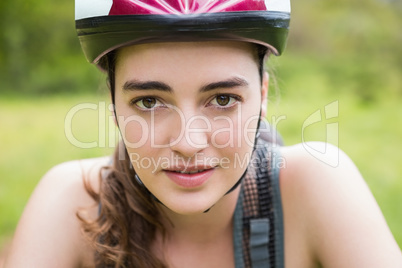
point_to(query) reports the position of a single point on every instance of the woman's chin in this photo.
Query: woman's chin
(188, 208)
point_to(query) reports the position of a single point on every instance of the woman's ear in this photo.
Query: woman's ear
(264, 93)
(112, 108)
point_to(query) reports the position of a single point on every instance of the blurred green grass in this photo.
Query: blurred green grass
(33, 139)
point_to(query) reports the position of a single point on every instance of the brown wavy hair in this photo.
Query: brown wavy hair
(129, 218)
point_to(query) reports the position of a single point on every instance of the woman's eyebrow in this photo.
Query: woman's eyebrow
(229, 83)
(133, 85)
(146, 85)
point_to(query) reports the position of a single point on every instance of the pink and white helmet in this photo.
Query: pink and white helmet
(105, 25)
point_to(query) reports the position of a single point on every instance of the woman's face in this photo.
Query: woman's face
(188, 114)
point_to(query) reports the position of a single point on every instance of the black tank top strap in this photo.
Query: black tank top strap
(259, 212)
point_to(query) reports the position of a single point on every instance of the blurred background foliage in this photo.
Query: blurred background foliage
(358, 44)
(39, 51)
(348, 51)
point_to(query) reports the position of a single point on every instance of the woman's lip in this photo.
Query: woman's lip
(192, 180)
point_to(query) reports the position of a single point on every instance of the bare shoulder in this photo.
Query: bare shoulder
(337, 217)
(49, 232)
(72, 174)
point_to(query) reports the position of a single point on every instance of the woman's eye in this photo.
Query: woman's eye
(147, 103)
(223, 100)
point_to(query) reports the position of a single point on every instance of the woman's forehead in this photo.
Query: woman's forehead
(188, 64)
(186, 54)
(172, 48)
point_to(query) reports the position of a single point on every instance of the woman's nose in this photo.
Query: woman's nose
(191, 135)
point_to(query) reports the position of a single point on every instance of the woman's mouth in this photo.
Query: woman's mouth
(190, 178)
(189, 172)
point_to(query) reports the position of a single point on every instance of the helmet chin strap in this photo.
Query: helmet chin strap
(139, 181)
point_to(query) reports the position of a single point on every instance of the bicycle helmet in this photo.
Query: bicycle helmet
(105, 25)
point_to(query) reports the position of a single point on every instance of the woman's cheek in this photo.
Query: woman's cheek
(236, 131)
(249, 130)
(224, 133)
(135, 130)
